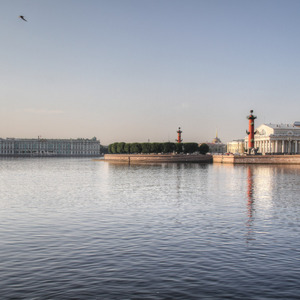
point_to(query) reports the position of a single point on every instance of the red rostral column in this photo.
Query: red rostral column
(179, 140)
(251, 131)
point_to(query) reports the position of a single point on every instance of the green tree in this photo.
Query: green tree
(135, 148)
(120, 147)
(203, 148)
(113, 148)
(127, 148)
(104, 149)
(109, 148)
(178, 147)
(146, 147)
(190, 147)
(156, 147)
(168, 147)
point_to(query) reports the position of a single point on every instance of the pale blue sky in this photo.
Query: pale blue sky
(133, 70)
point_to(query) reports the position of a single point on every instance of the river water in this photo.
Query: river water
(84, 229)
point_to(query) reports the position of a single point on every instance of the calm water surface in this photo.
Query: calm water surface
(83, 229)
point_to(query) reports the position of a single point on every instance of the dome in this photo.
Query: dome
(216, 140)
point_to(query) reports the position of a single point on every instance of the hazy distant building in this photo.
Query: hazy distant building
(49, 147)
(216, 146)
(277, 139)
(236, 146)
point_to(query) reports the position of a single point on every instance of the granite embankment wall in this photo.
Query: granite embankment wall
(158, 158)
(258, 159)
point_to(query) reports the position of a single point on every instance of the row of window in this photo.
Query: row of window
(49, 152)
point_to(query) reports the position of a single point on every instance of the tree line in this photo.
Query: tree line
(122, 148)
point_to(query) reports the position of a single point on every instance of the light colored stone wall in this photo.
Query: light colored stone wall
(228, 159)
(153, 158)
(259, 159)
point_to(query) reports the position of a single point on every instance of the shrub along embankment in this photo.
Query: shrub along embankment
(145, 148)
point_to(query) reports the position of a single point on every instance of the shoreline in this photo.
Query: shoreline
(258, 159)
(201, 158)
(159, 158)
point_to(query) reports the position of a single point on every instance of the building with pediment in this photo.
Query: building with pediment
(277, 139)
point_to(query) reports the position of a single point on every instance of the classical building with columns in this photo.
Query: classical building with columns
(277, 139)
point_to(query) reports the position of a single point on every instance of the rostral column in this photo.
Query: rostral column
(179, 140)
(251, 131)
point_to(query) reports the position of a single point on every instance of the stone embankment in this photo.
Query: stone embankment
(257, 159)
(159, 158)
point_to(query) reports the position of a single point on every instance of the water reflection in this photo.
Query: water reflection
(77, 229)
(250, 204)
(272, 193)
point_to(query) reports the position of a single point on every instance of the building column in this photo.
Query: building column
(272, 146)
(296, 147)
(276, 146)
(282, 146)
(265, 146)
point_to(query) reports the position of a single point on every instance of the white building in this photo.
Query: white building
(276, 139)
(49, 147)
(236, 147)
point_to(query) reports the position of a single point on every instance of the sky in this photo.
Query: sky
(136, 70)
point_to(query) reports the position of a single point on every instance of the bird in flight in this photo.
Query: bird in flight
(22, 17)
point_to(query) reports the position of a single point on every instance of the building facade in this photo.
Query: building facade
(236, 147)
(216, 146)
(49, 147)
(276, 139)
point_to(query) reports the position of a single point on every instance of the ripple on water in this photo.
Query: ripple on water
(84, 229)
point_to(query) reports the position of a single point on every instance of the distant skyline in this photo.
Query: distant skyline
(131, 70)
